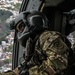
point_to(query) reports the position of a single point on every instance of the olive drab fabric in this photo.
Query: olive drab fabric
(7, 73)
(57, 54)
(13, 72)
(54, 46)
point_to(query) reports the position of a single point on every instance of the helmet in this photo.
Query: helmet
(29, 24)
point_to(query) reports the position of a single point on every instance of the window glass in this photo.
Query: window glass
(8, 10)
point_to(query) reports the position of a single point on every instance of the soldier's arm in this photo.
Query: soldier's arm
(8, 73)
(13, 72)
(57, 54)
(56, 50)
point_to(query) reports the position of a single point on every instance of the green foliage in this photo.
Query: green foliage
(16, 6)
(9, 49)
(4, 15)
(7, 61)
(4, 27)
(1, 63)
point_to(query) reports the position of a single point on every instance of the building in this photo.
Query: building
(9, 1)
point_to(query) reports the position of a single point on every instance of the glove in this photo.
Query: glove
(8, 73)
(16, 71)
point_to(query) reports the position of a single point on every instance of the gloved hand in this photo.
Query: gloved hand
(9, 72)
(16, 71)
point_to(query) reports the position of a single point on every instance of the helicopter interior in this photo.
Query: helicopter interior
(57, 12)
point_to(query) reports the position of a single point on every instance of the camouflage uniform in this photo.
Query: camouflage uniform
(14, 72)
(53, 45)
(8, 73)
(57, 54)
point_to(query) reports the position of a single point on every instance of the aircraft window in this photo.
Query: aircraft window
(7, 13)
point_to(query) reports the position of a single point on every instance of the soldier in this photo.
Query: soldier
(46, 51)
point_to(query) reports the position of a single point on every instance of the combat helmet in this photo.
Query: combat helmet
(29, 24)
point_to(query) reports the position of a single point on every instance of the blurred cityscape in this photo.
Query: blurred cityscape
(6, 2)
(6, 46)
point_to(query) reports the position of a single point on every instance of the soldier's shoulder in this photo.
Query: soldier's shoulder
(49, 35)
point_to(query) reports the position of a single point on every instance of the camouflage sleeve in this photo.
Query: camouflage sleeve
(11, 72)
(56, 51)
(7, 73)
